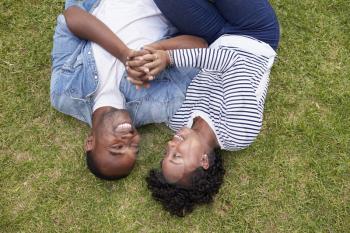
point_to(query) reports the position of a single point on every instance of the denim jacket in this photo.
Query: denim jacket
(74, 80)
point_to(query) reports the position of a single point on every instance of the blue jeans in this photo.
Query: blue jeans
(255, 18)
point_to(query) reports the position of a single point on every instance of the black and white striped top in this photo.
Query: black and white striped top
(229, 92)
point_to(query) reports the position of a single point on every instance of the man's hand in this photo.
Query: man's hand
(137, 73)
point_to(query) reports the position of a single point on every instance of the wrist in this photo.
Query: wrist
(125, 54)
(170, 59)
(156, 46)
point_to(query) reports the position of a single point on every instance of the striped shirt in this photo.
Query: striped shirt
(229, 92)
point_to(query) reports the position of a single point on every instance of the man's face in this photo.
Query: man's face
(114, 143)
(184, 154)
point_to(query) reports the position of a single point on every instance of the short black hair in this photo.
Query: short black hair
(180, 200)
(94, 169)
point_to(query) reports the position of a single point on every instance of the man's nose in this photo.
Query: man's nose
(127, 136)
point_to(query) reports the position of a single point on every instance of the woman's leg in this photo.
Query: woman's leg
(193, 17)
(244, 13)
(254, 18)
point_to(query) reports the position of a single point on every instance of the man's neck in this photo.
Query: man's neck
(206, 133)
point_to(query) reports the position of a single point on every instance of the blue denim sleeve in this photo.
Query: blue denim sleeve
(85, 4)
(68, 74)
(64, 44)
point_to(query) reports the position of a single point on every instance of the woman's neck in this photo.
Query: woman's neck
(206, 134)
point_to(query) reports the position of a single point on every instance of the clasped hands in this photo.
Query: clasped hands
(144, 65)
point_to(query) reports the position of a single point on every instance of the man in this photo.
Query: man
(91, 44)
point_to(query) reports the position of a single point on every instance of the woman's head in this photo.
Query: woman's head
(185, 152)
(197, 186)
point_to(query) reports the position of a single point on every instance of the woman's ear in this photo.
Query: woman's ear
(205, 162)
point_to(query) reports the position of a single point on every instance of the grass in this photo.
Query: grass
(294, 178)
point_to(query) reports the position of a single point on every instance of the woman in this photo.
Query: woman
(224, 102)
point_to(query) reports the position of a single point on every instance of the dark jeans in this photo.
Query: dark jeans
(255, 18)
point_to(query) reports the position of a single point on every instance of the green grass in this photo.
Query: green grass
(294, 178)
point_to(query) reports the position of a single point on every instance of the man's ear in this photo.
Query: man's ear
(89, 144)
(205, 162)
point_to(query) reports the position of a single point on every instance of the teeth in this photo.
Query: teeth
(179, 137)
(124, 126)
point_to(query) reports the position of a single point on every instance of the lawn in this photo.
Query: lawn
(294, 178)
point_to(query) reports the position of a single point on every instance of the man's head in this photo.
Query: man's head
(112, 146)
(188, 175)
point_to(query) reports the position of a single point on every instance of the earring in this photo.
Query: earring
(205, 157)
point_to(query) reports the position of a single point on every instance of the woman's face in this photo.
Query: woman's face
(184, 154)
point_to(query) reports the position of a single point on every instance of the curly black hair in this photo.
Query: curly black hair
(180, 200)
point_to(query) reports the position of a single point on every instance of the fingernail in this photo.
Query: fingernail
(151, 78)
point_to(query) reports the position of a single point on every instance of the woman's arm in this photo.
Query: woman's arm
(139, 59)
(88, 27)
(180, 42)
(211, 59)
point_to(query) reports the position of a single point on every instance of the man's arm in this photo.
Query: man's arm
(88, 27)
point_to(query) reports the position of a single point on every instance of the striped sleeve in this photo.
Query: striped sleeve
(210, 59)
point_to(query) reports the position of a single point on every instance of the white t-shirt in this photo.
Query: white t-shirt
(136, 23)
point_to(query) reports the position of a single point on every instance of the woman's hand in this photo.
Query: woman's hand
(142, 66)
(160, 61)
